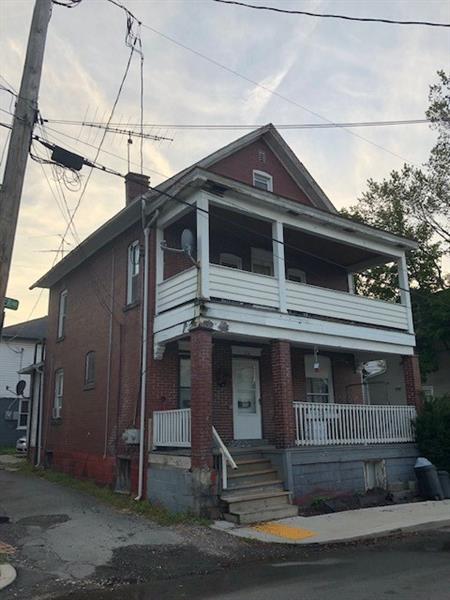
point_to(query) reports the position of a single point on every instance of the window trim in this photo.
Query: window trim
(131, 264)
(58, 394)
(229, 257)
(263, 257)
(89, 383)
(269, 179)
(62, 314)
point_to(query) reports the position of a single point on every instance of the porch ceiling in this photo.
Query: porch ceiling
(343, 254)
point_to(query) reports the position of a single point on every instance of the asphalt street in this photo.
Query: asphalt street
(70, 546)
(412, 568)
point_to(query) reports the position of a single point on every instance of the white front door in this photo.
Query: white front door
(246, 399)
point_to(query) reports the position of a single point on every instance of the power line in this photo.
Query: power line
(332, 16)
(268, 89)
(115, 127)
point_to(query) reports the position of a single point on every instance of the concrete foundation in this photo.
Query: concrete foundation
(310, 472)
(172, 483)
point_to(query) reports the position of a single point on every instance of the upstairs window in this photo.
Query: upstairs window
(262, 261)
(58, 398)
(263, 181)
(62, 313)
(89, 369)
(133, 272)
(230, 260)
(294, 274)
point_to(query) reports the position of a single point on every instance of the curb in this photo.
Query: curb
(7, 575)
(386, 533)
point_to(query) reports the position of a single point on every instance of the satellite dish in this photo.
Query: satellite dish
(187, 242)
(20, 387)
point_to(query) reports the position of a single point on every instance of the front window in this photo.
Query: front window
(263, 181)
(133, 272)
(185, 382)
(58, 399)
(89, 369)
(319, 382)
(62, 313)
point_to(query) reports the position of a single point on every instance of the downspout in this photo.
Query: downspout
(40, 416)
(110, 334)
(146, 227)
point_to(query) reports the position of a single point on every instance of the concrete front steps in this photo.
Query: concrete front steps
(255, 492)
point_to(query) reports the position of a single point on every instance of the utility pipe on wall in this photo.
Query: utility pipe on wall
(144, 350)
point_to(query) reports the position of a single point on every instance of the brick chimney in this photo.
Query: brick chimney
(135, 185)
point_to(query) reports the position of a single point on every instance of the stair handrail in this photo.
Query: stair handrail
(225, 456)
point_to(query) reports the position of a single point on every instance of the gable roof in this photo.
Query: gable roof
(285, 155)
(36, 329)
(195, 176)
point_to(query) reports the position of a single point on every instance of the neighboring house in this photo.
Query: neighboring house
(17, 350)
(231, 283)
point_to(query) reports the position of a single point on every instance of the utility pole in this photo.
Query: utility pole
(16, 161)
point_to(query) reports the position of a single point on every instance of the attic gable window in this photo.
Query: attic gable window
(263, 181)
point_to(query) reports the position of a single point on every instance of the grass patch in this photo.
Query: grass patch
(122, 502)
(7, 450)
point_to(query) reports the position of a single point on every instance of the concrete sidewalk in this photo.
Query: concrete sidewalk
(347, 525)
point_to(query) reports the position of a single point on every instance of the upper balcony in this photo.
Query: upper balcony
(263, 273)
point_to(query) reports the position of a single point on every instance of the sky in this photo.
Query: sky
(318, 68)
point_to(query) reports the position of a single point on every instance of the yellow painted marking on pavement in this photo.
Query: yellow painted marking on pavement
(284, 531)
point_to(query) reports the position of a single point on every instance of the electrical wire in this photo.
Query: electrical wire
(269, 90)
(115, 127)
(332, 16)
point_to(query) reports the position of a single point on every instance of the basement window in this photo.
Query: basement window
(263, 181)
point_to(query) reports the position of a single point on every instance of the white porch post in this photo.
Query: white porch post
(404, 290)
(159, 263)
(278, 263)
(203, 244)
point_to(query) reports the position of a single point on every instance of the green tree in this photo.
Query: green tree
(415, 203)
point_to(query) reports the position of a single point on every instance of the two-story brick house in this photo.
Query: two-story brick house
(214, 320)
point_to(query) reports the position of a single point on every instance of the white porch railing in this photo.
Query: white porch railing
(172, 428)
(262, 290)
(320, 424)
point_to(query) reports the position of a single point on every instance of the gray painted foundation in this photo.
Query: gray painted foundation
(172, 484)
(335, 470)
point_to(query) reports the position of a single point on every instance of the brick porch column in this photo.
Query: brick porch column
(413, 383)
(283, 395)
(201, 398)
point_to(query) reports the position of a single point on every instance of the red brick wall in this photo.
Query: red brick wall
(413, 383)
(201, 398)
(282, 393)
(173, 262)
(223, 390)
(240, 166)
(78, 439)
(347, 382)
(267, 401)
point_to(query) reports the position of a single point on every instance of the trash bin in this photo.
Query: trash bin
(444, 479)
(427, 477)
